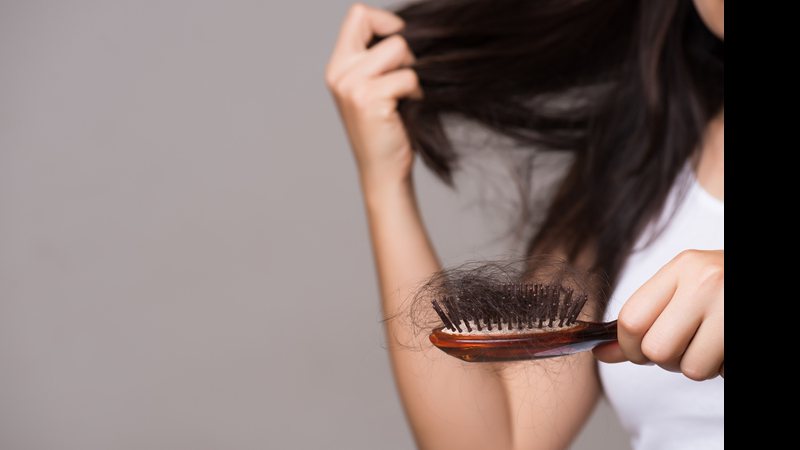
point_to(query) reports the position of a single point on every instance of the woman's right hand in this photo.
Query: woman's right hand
(367, 84)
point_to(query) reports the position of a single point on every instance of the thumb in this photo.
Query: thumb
(609, 352)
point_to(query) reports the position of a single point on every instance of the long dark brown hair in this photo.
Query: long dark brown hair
(628, 86)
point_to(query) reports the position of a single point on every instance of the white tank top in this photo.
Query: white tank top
(660, 409)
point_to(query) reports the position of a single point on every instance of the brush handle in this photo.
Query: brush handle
(598, 331)
(586, 337)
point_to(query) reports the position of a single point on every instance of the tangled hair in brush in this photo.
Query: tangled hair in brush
(484, 286)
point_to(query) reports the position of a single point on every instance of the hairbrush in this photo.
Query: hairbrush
(524, 321)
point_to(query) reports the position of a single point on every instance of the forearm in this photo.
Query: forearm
(451, 404)
(445, 404)
(403, 253)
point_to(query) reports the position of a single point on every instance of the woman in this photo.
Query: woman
(634, 89)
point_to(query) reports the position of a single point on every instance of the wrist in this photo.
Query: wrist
(385, 190)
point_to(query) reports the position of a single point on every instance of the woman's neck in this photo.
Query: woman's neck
(711, 166)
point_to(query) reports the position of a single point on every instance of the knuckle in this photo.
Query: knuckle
(357, 9)
(712, 275)
(656, 350)
(406, 47)
(383, 112)
(635, 357)
(360, 96)
(694, 371)
(631, 325)
(411, 79)
(399, 43)
(330, 79)
(686, 256)
(340, 89)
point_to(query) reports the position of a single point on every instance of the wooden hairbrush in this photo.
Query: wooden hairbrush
(527, 321)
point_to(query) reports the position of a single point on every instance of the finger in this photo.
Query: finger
(378, 98)
(641, 310)
(361, 23)
(389, 54)
(609, 353)
(398, 84)
(706, 353)
(669, 336)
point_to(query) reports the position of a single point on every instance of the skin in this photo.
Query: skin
(713, 14)
(674, 319)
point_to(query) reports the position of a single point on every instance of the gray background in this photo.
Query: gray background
(184, 260)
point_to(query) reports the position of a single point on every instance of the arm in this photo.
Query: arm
(449, 404)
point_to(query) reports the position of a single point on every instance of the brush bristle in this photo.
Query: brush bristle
(520, 307)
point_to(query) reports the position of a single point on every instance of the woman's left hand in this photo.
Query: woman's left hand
(676, 319)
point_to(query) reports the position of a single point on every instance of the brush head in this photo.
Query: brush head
(511, 310)
(516, 308)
